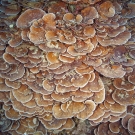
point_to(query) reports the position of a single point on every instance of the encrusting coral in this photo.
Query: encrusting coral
(67, 61)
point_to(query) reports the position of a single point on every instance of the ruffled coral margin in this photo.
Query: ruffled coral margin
(67, 67)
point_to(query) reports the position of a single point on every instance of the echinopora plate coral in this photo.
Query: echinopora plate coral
(67, 67)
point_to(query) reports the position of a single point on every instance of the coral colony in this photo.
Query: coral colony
(67, 67)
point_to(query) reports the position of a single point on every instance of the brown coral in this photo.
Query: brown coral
(58, 65)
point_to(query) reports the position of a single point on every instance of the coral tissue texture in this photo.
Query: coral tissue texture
(67, 67)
